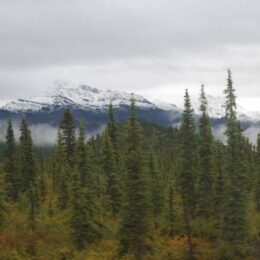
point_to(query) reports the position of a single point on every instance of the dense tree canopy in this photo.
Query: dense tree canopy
(136, 191)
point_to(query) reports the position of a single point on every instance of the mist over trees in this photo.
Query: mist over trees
(136, 191)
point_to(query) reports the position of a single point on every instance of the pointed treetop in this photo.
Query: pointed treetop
(203, 100)
(230, 104)
(133, 107)
(10, 130)
(187, 100)
(25, 131)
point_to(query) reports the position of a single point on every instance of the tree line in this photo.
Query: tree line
(153, 192)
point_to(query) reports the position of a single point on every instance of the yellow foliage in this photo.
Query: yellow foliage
(177, 248)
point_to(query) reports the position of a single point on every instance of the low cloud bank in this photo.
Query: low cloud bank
(250, 132)
(45, 134)
(42, 134)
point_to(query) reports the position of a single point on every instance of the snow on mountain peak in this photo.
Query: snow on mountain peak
(216, 109)
(165, 106)
(81, 96)
(88, 98)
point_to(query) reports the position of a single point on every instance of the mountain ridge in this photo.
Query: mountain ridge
(89, 98)
(88, 104)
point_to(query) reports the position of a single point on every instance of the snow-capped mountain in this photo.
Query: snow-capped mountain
(87, 104)
(81, 97)
(92, 99)
(90, 105)
(216, 109)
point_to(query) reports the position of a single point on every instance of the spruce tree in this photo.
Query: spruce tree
(32, 204)
(26, 157)
(41, 175)
(11, 172)
(113, 189)
(171, 211)
(257, 186)
(235, 222)
(249, 163)
(67, 128)
(84, 227)
(157, 191)
(219, 181)
(62, 176)
(112, 126)
(87, 168)
(187, 176)
(135, 229)
(205, 153)
(81, 155)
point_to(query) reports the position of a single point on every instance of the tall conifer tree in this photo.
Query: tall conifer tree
(113, 189)
(11, 172)
(205, 150)
(171, 211)
(62, 173)
(187, 175)
(26, 157)
(87, 173)
(41, 174)
(32, 204)
(135, 229)
(112, 126)
(235, 223)
(257, 187)
(219, 181)
(81, 155)
(157, 191)
(84, 228)
(67, 128)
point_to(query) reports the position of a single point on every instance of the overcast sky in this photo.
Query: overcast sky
(152, 47)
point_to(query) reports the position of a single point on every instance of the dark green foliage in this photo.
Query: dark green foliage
(171, 212)
(187, 175)
(137, 188)
(86, 170)
(188, 147)
(62, 175)
(26, 158)
(41, 176)
(11, 172)
(94, 181)
(81, 156)
(84, 228)
(157, 190)
(113, 187)
(205, 154)
(67, 128)
(135, 229)
(219, 181)
(235, 222)
(249, 166)
(112, 126)
(32, 204)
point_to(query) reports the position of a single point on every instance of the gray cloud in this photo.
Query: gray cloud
(42, 134)
(149, 47)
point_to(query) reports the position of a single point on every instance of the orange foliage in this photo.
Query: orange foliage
(177, 248)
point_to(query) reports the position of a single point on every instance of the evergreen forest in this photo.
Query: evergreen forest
(137, 191)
